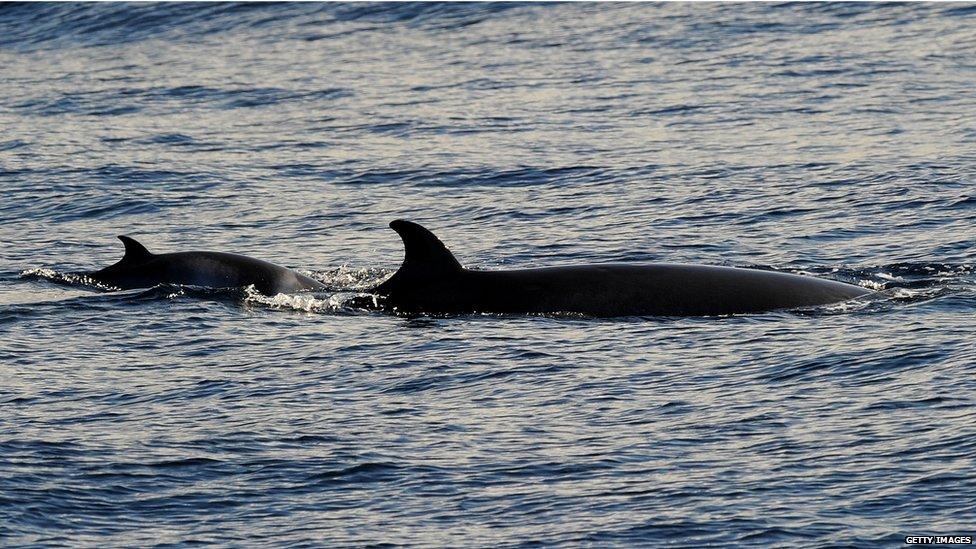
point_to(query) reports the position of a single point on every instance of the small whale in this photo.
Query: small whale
(139, 268)
(432, 281)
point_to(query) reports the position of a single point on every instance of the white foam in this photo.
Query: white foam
(70, 278)
(872, 285)
(307, 302)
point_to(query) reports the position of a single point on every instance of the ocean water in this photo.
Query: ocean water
(832, 139)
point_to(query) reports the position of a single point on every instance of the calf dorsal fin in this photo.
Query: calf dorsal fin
(134, 252)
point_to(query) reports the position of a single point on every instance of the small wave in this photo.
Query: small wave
(350, 279)
(13, 144)
(895, 275)
(185, 462)
(873, 285)
(910, 295)
(71, 279)
(164, 291)
(161, 99)
(842, 308)
(348, 284)
(36, 24)
(919, 278)
(175, 139)
(363, 472)
(160, 291)
(297, 302)
(176, 291)
(337, 303)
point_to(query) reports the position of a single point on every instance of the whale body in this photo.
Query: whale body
(139, 268)
(432, 281)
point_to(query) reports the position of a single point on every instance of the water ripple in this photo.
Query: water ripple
(831, 139)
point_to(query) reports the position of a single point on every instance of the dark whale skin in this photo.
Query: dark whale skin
(431, 281)
(141, 269)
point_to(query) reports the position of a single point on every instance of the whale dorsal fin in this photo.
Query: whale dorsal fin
(134, 252)
(424, 253)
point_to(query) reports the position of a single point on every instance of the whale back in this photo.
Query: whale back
(431, 280)
(140, 268)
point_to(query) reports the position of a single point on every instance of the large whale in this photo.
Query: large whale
(431, 281)
(139, 268)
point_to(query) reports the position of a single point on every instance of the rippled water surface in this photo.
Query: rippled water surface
(830, 139)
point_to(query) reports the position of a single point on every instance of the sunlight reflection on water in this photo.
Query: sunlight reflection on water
(832, 139)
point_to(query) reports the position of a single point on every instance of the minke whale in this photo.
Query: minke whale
(139, 268)
(432, 281)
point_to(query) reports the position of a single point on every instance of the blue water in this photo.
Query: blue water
(831, 139)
